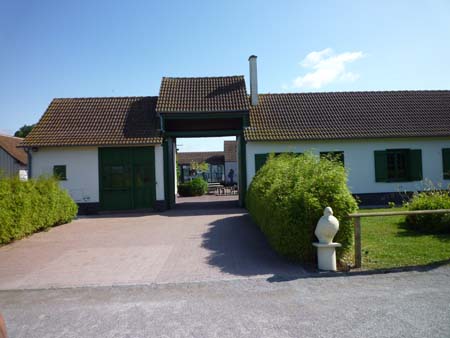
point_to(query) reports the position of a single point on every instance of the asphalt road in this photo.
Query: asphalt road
(405, 304)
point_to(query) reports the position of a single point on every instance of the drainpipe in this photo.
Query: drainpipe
(28, 151)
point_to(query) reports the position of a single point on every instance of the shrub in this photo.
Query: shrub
(196, 187)
(287, 197)
(429, 223)
(33, 205)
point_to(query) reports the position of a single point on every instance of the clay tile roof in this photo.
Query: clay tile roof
(203, 95)
(350, 115)
(9, 144)
(97, 121)
(211, 157)
(230, 149)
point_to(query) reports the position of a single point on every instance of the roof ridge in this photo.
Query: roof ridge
(203, 152)
(103, 97)
(200, 77)
(365, 91)
(11, 136)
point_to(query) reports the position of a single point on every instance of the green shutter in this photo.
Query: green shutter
(415, 165)
(260, 160)
(381, 174)
(446, 163)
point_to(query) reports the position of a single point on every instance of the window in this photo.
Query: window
(334, 155)
(59, 171)
(261, 159)
(398, 165)
(446, 163)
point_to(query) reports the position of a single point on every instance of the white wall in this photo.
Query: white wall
(359, 160)
(159, 172)
(81, 169)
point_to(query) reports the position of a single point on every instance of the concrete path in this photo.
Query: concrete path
(407, 304)
(203, 239)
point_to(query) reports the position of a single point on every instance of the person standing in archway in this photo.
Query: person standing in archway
(231, 176)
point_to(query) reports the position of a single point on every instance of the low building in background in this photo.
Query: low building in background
(13, 160)
(222, 165)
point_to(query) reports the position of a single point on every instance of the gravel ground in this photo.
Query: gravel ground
(403, 304)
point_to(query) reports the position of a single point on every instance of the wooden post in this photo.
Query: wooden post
(358, 258)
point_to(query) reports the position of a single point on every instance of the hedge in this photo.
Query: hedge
(196, 187)
(287, 197)
(33, 205)
(429, 223)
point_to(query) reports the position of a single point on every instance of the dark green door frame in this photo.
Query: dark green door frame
(169, 154)
(169, 172)
(242, 164)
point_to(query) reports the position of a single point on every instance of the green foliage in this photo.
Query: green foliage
(431, 223)
(387, 243)
(33, 205)
(197, 187)
(199, 167)
(24, 130)
(391, 204)
(286, 199)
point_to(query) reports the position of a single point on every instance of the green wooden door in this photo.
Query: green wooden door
(127, 178)
(144, 177)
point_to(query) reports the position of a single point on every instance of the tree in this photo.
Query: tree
(199, 167)
(24, 130)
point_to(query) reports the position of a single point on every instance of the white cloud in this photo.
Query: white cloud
(326, 67)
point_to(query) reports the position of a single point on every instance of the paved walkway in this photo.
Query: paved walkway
(203, 239)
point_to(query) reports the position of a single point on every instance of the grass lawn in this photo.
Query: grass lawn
(387, 244)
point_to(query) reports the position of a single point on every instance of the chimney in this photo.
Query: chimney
(253, 80)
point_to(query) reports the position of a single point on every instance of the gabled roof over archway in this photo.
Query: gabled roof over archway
(219, 94)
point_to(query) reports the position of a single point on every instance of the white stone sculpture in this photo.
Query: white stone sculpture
(326, 229)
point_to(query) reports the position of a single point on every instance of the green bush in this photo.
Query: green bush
(287, 197)
(431, 223)
(197, 187)
(33, 205)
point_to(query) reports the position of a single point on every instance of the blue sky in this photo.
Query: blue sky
(118, 48)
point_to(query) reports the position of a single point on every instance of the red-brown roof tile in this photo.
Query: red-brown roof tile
(350, 115)
(97, 121)
(211, 157)
(203, 95)
(9, 144)
(230, 150)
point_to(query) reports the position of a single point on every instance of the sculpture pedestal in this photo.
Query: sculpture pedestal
(326, 255)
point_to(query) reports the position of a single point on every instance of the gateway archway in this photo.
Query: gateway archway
(170, 163)
(202, 107)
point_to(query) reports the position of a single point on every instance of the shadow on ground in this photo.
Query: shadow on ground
(204, 208)
(407, 231)
(239, 248)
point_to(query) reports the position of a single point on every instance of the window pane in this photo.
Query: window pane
(391, 172)
(401, 166)
(59, 171)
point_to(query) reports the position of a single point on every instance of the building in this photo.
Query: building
(119, 152)
(13, 160)
(231, 163)
(219, 164)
